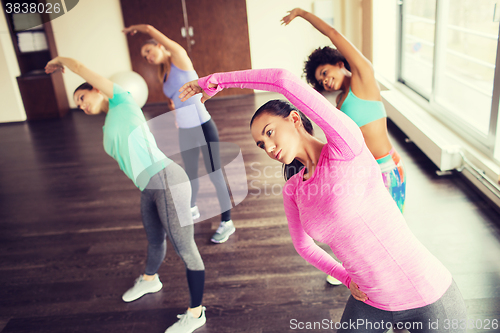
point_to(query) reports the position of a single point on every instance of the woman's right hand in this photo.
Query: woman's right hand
(53, 66)
(356, 293)
(291, 15)
(192, 88)
(133, 29)
(171, 104)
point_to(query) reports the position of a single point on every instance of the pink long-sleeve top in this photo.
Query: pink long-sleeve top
(345, 204)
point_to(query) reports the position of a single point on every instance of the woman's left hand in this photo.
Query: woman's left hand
(53, 66)
(170, 104)
(133, 29)
(291, 15)
(356, 293)
(192, 88)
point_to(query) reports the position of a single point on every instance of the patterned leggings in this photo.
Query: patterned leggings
(394, 176)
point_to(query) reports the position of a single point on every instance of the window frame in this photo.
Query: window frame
(485, 143)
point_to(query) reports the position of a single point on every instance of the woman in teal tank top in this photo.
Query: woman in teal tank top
(345, 69)
(165, 210)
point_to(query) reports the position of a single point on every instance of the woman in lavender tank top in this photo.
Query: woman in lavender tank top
(196, 128)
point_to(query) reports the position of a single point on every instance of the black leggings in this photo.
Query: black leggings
(191, 140)
(446, 315)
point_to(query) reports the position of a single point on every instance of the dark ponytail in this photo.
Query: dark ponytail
(83, 86)
(282, 109)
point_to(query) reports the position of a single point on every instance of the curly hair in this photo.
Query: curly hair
(318, 57)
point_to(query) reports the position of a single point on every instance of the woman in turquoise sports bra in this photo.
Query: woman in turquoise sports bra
(346, 69)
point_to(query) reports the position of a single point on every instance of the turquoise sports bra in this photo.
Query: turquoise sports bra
(362, 111)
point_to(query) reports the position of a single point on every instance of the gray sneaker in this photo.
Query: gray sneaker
(195, 212)
(187, 323)
(226, 229)
(142, 287)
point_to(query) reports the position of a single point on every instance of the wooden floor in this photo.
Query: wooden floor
(72, 242)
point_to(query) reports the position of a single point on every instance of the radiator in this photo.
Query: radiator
(442, 146)
(421, 129)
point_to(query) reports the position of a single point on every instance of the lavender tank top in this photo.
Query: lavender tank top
(191, 113)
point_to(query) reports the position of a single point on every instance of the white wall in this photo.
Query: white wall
(12, 108)
(94, 37)
(274, 45)
(496, 154)
(353, 26)
(91, 33)
(385, 26)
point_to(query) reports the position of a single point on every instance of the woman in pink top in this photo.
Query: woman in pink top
(338, 198)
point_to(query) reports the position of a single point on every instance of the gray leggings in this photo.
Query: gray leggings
(162, 218)
(447, 314)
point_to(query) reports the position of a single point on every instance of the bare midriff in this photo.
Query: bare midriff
(376, 137)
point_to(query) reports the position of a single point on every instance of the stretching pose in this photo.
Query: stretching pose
(196, 127)
(127, 139)
(338, 198)
(346, 69)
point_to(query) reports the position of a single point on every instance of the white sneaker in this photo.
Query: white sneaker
(142, 287)
(195, 212)
(225, 229)
(333, 281)
(187, 323)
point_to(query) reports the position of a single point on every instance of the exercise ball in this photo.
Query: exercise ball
(134, 84)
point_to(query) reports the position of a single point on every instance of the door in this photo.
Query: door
(219, 41)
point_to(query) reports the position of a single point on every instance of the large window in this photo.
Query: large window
(448, 55)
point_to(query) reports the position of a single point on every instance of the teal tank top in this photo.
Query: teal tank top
(362, 111)
(127, 138)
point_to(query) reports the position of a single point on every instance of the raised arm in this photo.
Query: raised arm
(361, 67)
(342, 133)
(97, 81)
(180, 57)
(353, 56)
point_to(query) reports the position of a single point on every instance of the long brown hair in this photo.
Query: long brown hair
(162, 68)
